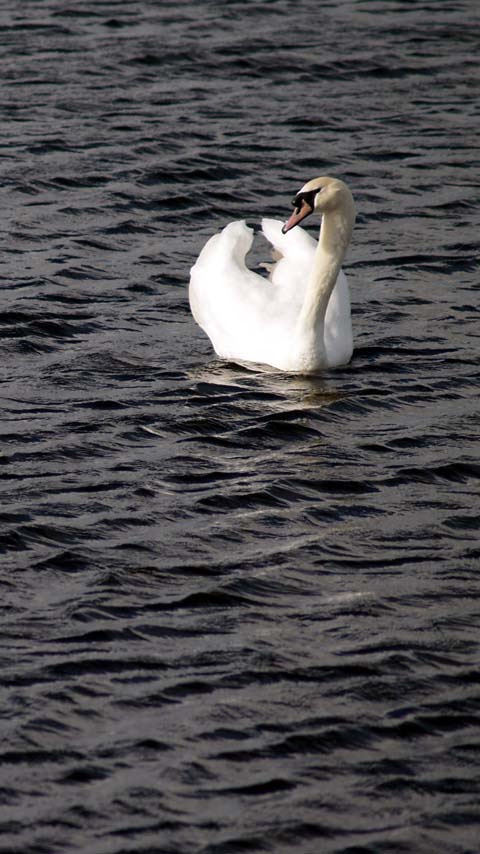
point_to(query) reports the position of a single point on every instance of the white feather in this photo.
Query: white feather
(252, 318)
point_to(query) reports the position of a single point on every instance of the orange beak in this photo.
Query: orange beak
(297, 216)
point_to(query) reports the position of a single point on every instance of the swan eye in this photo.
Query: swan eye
(308, 197)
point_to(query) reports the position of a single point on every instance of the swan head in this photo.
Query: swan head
(321, 195)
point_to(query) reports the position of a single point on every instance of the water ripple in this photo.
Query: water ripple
(239, 609)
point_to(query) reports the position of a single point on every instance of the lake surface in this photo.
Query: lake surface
(239, 610)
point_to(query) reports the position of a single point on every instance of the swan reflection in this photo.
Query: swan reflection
(285, 391)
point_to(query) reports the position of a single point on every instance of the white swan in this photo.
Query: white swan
(298, 320)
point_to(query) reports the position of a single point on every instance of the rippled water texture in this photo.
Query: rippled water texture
(240, 610)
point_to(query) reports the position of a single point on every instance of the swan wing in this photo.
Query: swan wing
(338, 334)
(295, 252)
(234, 305)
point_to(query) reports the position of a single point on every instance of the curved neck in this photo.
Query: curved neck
(335, 233)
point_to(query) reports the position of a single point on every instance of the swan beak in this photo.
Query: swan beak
(297, 216)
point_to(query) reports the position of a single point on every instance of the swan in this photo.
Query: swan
(298, 319)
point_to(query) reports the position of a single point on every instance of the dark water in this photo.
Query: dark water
(240, 611)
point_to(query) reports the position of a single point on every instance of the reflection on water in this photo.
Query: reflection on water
(286, 390)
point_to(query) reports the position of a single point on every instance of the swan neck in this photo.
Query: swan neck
(335, 233)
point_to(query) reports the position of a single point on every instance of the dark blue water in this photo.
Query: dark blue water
(239, 611)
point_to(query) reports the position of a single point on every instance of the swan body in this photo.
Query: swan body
(298, 319)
